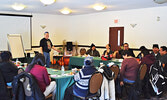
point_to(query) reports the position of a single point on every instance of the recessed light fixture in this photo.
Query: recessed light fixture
(65, 11)
(99, 7)
(47, 2)
(17, 6)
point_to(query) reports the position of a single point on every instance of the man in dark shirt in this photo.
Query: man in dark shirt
(92, 51)
(125, 47)
(45, 47)
(155, 52)
(163, 52)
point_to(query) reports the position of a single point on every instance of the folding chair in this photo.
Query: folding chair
(115, 69)
(142, 71)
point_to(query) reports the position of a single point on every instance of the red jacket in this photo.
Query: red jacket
(129, 69)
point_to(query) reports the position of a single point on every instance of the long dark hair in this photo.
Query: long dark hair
(145, 52)
(38, 59)
(109, 46)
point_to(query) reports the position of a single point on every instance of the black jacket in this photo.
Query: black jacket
(157, 57)
(94, 53)
(18, 88)
(4, 93)
(9, 70)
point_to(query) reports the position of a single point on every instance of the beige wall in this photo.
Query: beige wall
(94, 28)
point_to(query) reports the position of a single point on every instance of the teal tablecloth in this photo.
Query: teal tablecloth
(79, 61)
(62, 82)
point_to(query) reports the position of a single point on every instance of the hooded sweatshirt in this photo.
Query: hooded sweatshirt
(148, 60)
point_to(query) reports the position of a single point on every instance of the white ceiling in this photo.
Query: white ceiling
(77, 6)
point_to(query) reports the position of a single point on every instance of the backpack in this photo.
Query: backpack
(157, 79)
(108, 73)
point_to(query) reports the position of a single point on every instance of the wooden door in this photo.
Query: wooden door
(116, 37)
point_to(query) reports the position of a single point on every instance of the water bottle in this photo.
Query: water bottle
(17, 60)
(62, 70)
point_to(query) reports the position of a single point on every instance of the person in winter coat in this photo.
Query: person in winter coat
(92, 51)
(80, 87)
(8, 68)
(147, 59)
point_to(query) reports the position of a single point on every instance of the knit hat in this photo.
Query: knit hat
(88, 61)
(92, 45)
(5, 56)
(155, 46)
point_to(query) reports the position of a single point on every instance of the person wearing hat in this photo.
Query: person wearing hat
(92, 51)
(155, 52)
(7, 68)
(80, 87)
(45, 47)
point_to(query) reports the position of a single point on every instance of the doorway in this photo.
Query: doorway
(116, 37)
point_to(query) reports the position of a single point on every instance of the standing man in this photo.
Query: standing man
(45, 47)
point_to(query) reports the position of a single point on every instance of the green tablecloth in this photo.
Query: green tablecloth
(62, 82)
(79, 61)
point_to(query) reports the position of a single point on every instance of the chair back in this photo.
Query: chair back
(142, 71)
(95, 82)
(115, 69)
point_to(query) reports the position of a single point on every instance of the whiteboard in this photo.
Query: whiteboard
(16, 45)
(15, 25)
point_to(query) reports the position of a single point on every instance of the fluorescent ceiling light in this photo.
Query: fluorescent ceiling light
(47, 2)
(17, 6)
(160, 1)
(65, 11)
(99, 7)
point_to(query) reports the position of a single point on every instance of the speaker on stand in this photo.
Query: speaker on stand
(69, 46)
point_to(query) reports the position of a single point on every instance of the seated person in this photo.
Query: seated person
(37, 69)
(7, 67)
(82, 52)
(92, 51)
(141, 49)
(155, 52)
(125, 47)
(107, 55)
(128, 72)
(80, 87)
(147, 59)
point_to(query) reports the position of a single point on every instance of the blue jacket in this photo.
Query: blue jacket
(18, 88)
